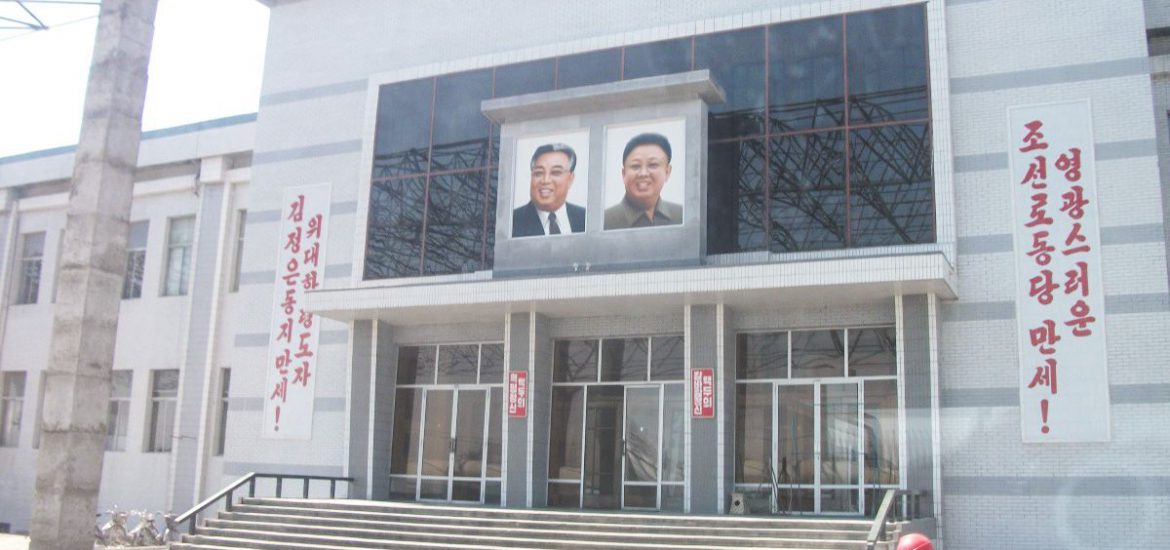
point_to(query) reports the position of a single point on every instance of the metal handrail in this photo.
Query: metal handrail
(228, 492)
(877, 529)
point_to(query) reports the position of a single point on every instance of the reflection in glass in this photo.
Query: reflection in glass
(818, 353)
(455, 220)
(495, 429)
(892, 192)
(666, 357)
(658, 58)
(564, 449)
(457, 364)
(394, 228)
(807, 75)
(672, 498)
(403, 488)
(623, 359)
(603, 447)
(403, 128)
(575, 361)
(433, 489)
(881, 432)
(416, 365)
(469, 435)
(641, 437)
(491, 492)
(436, 459)
(735, 60)
(673, 422)
(460, 129)
(795, 435)
(839, 454)
(887, 65)
(808, 192)
(839, 500)
(491, 364)
(407, 428)
(564, 495)
(761, 355)
(753, 432)
(872, 352)
(641, 496)
(735, 196)
(525, 78)
(583, 69)
(467, 491)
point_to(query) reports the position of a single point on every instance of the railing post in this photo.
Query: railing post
(305, 493)
(191, 526)
(252, 488)
(279, 482)
(228, 505)
(332, 488)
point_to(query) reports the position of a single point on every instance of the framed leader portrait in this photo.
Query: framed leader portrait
(551, 185)
(645, 174)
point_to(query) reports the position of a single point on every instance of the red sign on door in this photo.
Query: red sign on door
(517, 394)
(703, 393)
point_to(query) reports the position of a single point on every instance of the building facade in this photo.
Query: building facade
(867, 245)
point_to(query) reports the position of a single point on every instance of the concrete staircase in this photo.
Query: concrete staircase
(290, 524)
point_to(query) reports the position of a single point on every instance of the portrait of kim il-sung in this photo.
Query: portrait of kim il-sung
(645, 174)
(551, 185)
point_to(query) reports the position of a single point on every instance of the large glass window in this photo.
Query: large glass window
(135, 260)
(118, 412)
(824, 141)
(11, 407)
(180, 239)
(164, 390)
(32, 255)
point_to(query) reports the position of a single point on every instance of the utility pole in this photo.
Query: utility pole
(93, 263)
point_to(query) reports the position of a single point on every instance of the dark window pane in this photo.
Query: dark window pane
(491, 364)
(489, 251)
(753, 433)
(761, 356)
(887, 65)
(818, 353)
(566, 423)
(394, 228)
(455, 210)
(807, 75)
(495, 431)
(736, 62)
(457, 364)
(666, 358)
(588, 68)
(891, 188)
(526, 78)
(461, 130)
(575, 361)
(416, 365)
(403, 488)
(735, 197)
(881, 432)
(564, 495)
(623, 359)
(658, 58)
(403, 128)
(872, 352)
(407, 428)
(808, 192)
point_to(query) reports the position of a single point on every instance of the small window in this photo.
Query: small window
(180, 237)
(135, 260)
(118, 416)
(32, 252)
(57, 265)
(225, 382)
(238, 259)
(164, 388)
(11, 406)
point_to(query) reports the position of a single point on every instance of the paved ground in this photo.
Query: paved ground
(20, 542)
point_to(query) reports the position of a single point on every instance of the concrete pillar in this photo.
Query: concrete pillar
(359, 409)
(382, 412)
(93, 263)
(917, 339)
(709, 479)
(517, 475)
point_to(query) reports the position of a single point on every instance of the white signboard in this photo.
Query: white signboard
(1060, 297)
(293, 332)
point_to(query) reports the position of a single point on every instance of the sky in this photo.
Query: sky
(206, 63)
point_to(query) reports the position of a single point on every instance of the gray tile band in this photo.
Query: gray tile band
(308, 152)
(1117, 304)
(1132, 66)
(320, 404)
(340, 88)
(293, 487)
(1119, 394)
(980, 244)
(263, 277)
(1110, 150)
(1060, 487)
(260, 339)
(338, 208)
(1114, 235)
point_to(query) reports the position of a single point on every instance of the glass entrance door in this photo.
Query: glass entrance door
(641, 445)
(818, 447)
(452, 452)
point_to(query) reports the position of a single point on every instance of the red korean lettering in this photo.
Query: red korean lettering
(1044, 337)
(302, 374)
(1081, 319)
(303, 347)
(285, 331)
(1042, 287)
(291, 279)
(1045, 376)
(1075, 236)
(292, 242)
(312, 254)
(290, 301)
(315, 227)
(1037, 175)
(283, 360)
(1074, 202)
(297, 207)
(1034, 139)
(1039, 214)
(310, 281)
(1070, 164)
(1041, 250)
(1077, 279)
(280, 391)
(306, 319)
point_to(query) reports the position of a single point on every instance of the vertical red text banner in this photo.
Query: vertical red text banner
(517, 394)
(703, 393)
